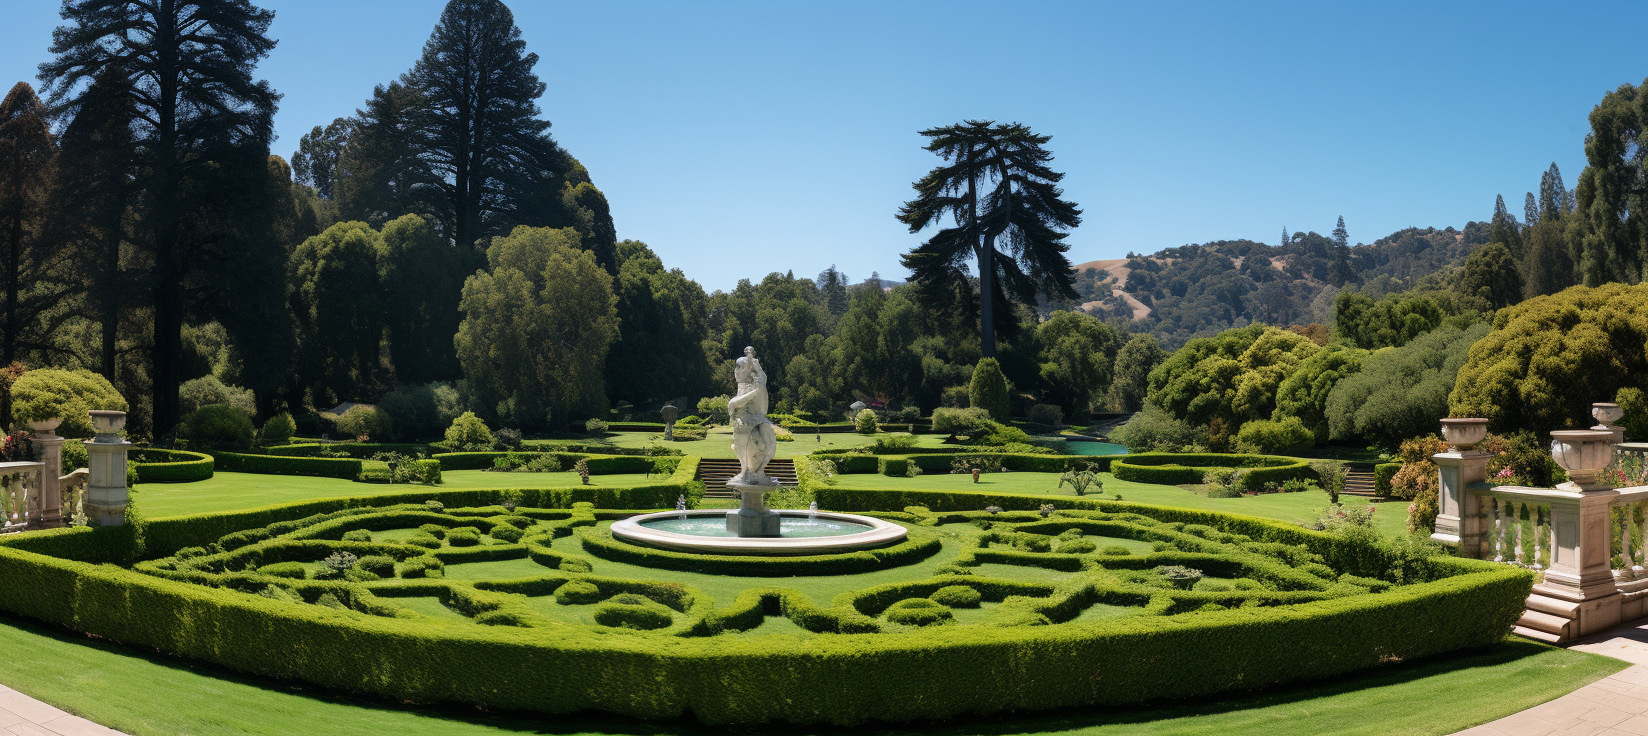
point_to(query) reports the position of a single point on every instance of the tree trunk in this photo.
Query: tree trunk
(168, 284)
(108, 296)
(987, 292)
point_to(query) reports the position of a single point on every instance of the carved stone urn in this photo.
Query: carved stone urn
(45, 427)
(1464, 434)
(1606, 414)
(1583, 453)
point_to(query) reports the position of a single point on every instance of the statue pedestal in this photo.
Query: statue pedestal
(753, 518)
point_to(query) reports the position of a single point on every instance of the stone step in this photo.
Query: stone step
(1536, 634)
(714, 473)
(1554, 606)
(1554, 625)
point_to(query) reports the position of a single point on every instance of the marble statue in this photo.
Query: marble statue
(670, 413)
(753, 439)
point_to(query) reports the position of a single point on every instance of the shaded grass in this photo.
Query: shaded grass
(152, 695)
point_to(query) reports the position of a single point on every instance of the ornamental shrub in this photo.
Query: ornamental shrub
(918, 612)
(278, 430)
(207, 390)
(358, 535)
(294, 570)
(1078, 547)
(422, 567)
(364, 421)
(577, 592)
(506, 533)
(865, 422)
(1154, 430)
(464, 536)
(1265, 437)
(1403, 392)
(1046, 414)
(957, 596)
(217, 427)
(595, 427)
(382, 566)
(44, 393)
(988, 390)
(421, 412)
(1115, 550)
(469, 433)
(966, 422)
(632, 611)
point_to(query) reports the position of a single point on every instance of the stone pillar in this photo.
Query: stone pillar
(106, 491)
(1582, 545)
(49, 448)
(1459, 518)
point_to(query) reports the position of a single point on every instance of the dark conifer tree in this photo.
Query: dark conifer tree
(1530, 210)
(203, 126)
(34, 267)
(379, 172)
(1341, 272)
(317, 156)
(833, 285)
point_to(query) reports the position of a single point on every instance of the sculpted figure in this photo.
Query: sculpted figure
(670, 413)
(753, 439)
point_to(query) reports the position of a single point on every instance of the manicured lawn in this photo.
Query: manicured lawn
(145, 694)
(228, 491)
(1390, 518)
(719, 442)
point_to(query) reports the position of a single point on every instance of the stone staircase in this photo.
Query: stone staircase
(1359, 481)
(715, 473)
(1548, 619)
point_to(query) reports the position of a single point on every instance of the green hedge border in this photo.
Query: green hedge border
(920, 545)
(943, 672)
(1382, 475)
(179, 466)
(320, 467)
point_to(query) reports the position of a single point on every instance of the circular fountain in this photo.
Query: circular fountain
(754, 528)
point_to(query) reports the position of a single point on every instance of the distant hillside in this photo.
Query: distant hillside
(1200, 289)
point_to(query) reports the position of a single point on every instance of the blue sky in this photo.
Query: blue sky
(742, 138)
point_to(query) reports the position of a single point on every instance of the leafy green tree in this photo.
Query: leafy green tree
(493, 159)
(537, 327)
(996, 186)
(35, 278)
(1492, 274)
(379, 174)
(989, 390)
(204, 127)
(1267, 437)
(593, 218)
(421, 278)
(833, 285)
(1132, 369)
(336, 301)
(421, 412)
(779, 316)
(1610, 191)
(1549, 268)
(1076, 357)
(1231, 377)
(873, 346)
(316, 159)
(1401, 392)
(469, 432)
(1549, 357)
(1304, 393)
(1395, 319)
(217, 427)
(662, 319)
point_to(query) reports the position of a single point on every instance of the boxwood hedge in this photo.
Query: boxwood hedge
(324, 467)
(156, 465)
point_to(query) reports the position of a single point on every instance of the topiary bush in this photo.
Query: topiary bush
(965, 422)
(865, 422)
(957, 596)
(988, 390)
(208, 390)
(365, 421)
(577, 592)
(44, 393)
(381, 565)
(1265, 437)
(294, 570)
(632, 611)
(466, 536)
(217, 427)
(918, 612)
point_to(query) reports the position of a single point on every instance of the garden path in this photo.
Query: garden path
(21, 715)
(1616, 705)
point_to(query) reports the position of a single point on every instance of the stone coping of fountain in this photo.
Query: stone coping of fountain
(881, 533)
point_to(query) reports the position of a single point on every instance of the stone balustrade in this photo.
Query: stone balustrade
(34, 495)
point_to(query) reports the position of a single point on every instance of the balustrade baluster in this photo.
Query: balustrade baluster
(1521, 548)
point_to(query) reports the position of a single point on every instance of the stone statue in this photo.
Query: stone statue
(755, 443)
(753, 439)
(669, 413)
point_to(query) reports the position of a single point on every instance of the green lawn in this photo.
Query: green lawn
(146, 694)
(229, 491)
(1390, 518)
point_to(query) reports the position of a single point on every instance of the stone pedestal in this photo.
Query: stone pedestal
(106, 497)
(1459, 518)
(753, 518)
(49, 446)
(1581, 560)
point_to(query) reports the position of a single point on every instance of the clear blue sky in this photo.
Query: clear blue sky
(742, 138)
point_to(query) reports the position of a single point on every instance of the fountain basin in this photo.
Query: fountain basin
(800, 533)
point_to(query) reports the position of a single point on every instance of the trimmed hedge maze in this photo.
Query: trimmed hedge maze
(155, 465)
(506, 601)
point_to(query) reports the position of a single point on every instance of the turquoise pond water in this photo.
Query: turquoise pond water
(788, 526)
(1094, 448)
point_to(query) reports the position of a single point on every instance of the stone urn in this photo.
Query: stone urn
(1583, 453)
(105, 422)
(1607, 413)
(1464, 434)
(45, 427)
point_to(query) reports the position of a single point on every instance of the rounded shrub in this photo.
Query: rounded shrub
(506, 533)
(425, 566)
(865, 422)
(1115, 550)
(358, 535)
(217, 427)
(279, 429)
(918, 612)
(424, 540)
(1078, 547)
(382, 566)
(465, 536)
(574, 565)
(434, 530)
(44, 393)
(468, 432)
(364, 421)
(208, 390)
(577, 592)
(632, 611)
(293, 570)
(957, 596)
(988, 390)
